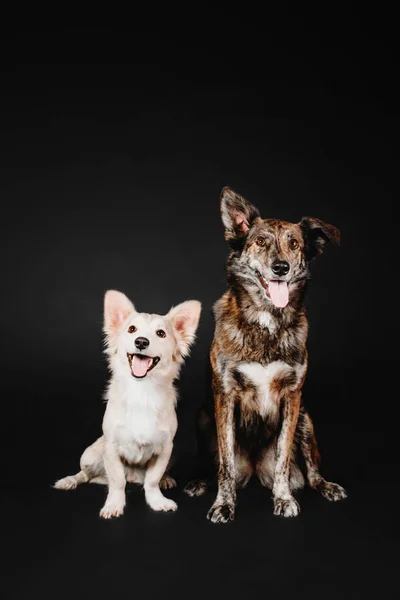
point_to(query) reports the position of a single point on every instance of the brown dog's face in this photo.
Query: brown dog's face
(270, 256)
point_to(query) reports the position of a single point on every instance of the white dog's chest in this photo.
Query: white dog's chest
(138, 427)
(139, 438)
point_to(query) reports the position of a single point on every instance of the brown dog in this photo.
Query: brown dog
(258, 424)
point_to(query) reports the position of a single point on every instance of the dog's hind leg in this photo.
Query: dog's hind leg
(92, 468)
(243, 469)
(265, 470)
(308, 444)
(167, 482)
(71, 481)
(196, 487)
(205, 466)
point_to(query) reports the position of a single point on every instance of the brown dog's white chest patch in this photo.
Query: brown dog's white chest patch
(266, 320)
(266, 380)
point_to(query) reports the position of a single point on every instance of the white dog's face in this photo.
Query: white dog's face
(147, 345)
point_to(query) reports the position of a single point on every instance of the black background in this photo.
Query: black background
(114, 148)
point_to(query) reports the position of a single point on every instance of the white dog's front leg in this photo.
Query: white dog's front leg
(155, 470)
(115, 503)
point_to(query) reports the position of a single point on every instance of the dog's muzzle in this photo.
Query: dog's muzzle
(140, 364)
(277, 291)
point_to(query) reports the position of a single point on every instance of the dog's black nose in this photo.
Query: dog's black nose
(280, 267)
(141, 343)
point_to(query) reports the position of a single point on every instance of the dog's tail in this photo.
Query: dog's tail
(72, 481)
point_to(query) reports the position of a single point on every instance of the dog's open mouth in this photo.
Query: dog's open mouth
(140, 364)
(277, 291)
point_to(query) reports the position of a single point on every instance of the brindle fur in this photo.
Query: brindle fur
(258, 424)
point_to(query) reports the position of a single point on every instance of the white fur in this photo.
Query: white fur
(261, 377)
(140, 418)
(266, 320)
(140, 421)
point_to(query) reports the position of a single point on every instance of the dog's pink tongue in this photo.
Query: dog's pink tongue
(279, 292)
(140, 366)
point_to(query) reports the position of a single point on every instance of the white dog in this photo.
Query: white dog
(145, 354)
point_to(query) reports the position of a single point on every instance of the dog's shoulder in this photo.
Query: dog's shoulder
(226, 307)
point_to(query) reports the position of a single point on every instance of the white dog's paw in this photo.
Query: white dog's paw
(67, 483)
(286, 507)
(161, 503)
(167, 482)
(111, 510)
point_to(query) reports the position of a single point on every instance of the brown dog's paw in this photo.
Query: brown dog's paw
(286, 507)
(197, 487)
(167, 482)
(331, 491)
(221, 513)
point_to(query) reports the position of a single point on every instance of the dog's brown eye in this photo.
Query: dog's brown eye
(161, 333)
(260, 240)
(293, 243)
(132, 329)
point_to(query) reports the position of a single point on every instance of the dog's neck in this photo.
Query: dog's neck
(254, 309)
(143, 394)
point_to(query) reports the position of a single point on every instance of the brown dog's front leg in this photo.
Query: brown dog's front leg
(284, 503)
(223, 509)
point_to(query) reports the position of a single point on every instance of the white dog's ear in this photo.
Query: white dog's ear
(117, 307)
(184, 319)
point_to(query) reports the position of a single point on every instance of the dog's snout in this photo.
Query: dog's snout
(141, 343)
(280, 267)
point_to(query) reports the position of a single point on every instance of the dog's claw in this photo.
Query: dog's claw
(197, 487)
(67, 483)
(332, 491)
(110, 511)
(221, 513)
(162, 504)
(286, 507)
(167, 482)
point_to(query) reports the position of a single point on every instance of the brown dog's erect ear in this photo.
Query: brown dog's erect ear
(316, 234)
(184, 320)
(117, 307)
(238, 215)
